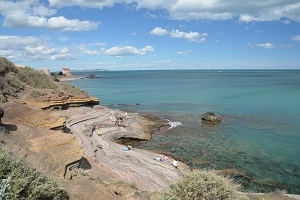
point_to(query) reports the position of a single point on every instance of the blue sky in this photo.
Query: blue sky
(148, 34)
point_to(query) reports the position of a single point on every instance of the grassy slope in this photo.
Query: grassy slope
(29, 83)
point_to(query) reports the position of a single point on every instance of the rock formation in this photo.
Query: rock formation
(63, 102)
(211, 117)
(35, 134)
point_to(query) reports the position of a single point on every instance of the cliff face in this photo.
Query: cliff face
(29, 134)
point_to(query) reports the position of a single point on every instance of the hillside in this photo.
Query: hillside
(27, 83)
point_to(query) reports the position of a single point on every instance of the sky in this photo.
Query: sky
(151, 34)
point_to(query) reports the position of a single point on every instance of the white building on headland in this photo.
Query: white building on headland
(66, 71)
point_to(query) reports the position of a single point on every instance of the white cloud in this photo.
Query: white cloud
(191, 36)
(159, 31)
(32, 48)
(183, 52)
(254, 10)
(266, 45)
(87, 3)
(61, 23)
(296, 38)
(87, 51)
(29, 13)
(91, 49)
(127, 50)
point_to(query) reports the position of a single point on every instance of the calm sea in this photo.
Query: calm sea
(260, 130)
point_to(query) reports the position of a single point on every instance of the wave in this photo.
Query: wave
(173, 124)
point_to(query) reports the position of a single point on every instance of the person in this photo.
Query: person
(127, 148)
(97, 129)
(111, 118)
(174, 163)
(163, 159)
(160, 158)
(166, 158)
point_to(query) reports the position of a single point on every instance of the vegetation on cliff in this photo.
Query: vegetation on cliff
(31, 82)
(18, 180)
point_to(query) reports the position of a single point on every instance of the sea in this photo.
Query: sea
(258, 136)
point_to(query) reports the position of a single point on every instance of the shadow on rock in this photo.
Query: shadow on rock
(8, 127)
(5, 128)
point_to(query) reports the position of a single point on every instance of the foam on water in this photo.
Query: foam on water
(174, 124)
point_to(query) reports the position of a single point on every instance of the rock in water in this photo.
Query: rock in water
(211, 117)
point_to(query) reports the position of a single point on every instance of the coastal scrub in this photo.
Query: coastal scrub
(18, 180)
(202, 185)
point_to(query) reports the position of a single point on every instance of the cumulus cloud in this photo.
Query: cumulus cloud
(33, 48)
(254, 10)
(296, 38)
(61, 23)
(31, 13)
(191, 36)
(159, 31)
(127, 50)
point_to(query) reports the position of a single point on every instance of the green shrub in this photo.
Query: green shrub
(71, 89)
(19, 180)
(202, 185)
(35, 94)
(36, 79)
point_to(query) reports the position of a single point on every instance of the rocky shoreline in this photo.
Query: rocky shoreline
(65, 144)
(38, 135)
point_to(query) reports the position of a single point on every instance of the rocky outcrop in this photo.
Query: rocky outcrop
(211, 117)
(63, 102)
(46, 149)
(137, 166)
(59, 153)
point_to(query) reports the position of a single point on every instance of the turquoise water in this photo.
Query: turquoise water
(260, 130)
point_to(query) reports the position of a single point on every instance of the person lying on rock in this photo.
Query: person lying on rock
(127, 148)
(162, 159)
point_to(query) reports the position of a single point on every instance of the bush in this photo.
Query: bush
(203, 185)
(6, 66)
(36, 79)
(18, 180)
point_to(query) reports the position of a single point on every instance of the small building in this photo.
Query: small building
(46, 71)
(20, 66)
(66, 71)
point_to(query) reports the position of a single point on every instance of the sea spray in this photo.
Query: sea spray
(174, 124)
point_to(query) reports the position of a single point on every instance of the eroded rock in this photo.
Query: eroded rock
(211, 117)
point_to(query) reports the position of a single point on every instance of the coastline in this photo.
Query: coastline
(104, 159)
(110, 164)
